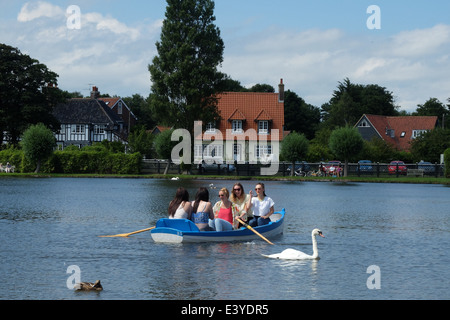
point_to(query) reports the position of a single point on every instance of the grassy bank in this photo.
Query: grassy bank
(415, 180)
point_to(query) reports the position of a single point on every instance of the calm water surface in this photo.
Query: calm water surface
(47, 225)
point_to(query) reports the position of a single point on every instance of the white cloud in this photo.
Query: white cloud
(114, 55)
(110, 24)
(312, 62)
(421, 42)
(34, 10)
(104, 51)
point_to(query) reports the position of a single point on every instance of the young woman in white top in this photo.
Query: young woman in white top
(263, 207)
(180, 207)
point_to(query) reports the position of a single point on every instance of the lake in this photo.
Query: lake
(382, 241)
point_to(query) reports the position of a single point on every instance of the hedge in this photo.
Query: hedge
(77, 162)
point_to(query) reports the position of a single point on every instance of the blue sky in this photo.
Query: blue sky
(312, 45)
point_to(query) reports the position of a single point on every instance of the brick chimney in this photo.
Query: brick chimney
(281, 91)
(95, 94)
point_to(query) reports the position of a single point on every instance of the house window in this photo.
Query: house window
(213, 151)
(119, 108)
(79, 129)
(211, 127)
(403, 134)
(363, 124)
(100, 129)
(237, 126)
(418, 133)
(237, 152)
(263, 151)
(263, 127)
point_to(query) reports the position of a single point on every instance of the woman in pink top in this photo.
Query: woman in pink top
(225, 213)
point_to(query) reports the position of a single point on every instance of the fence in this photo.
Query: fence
(155, 166)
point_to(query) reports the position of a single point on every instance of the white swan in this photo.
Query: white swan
(291, 254)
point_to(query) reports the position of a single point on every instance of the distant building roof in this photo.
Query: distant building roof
(85, 111)
(398, 131)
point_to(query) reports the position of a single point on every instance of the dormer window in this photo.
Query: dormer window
(237, 126)
(263, 127)
(119, 108)
(418, 133)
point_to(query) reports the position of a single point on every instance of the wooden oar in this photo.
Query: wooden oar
(256, 232)
(126, 235)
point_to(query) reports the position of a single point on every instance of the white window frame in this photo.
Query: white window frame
(265, 150)
(417, 133)
(210, 127)
(237, 126)
(99, 129)
(263, 127)
(78, 129)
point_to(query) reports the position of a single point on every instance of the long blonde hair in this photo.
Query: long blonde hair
(225, 190)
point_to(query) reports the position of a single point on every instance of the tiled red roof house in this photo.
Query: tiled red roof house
(397, 131)
(247, 118)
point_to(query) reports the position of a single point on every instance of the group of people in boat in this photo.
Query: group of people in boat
(224, 214)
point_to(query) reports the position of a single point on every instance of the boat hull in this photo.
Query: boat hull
(184, 231)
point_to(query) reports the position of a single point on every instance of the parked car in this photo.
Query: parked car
(402, 169)
(365, 166)
(212, 167)
(427, 167)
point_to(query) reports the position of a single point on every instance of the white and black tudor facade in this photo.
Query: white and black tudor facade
(87, 121)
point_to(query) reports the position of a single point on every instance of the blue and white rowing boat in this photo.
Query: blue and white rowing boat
(181, 231)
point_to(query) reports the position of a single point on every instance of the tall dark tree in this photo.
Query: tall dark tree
(28, 93)
(350, 101)
(185, 72)
(300, 116)
(433, 107)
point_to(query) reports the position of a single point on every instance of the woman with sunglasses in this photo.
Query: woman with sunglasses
(263, 207)
(242, 200)
(225, 213)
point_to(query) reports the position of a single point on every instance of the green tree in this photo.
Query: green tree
(430, 145)
(433, 107)
(28, 93)
(346, 143)
(350, 101)
(38, 143)
(300, 116)
(185, 72)
(141, 141)
(141, 109)
(164, 145)
(294, 148)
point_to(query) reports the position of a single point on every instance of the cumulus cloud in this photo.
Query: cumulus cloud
(114, 55)
(421, 42)
(312, 62)
(34, 10)
(103, 51)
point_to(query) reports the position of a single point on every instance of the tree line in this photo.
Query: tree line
(186, 79)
